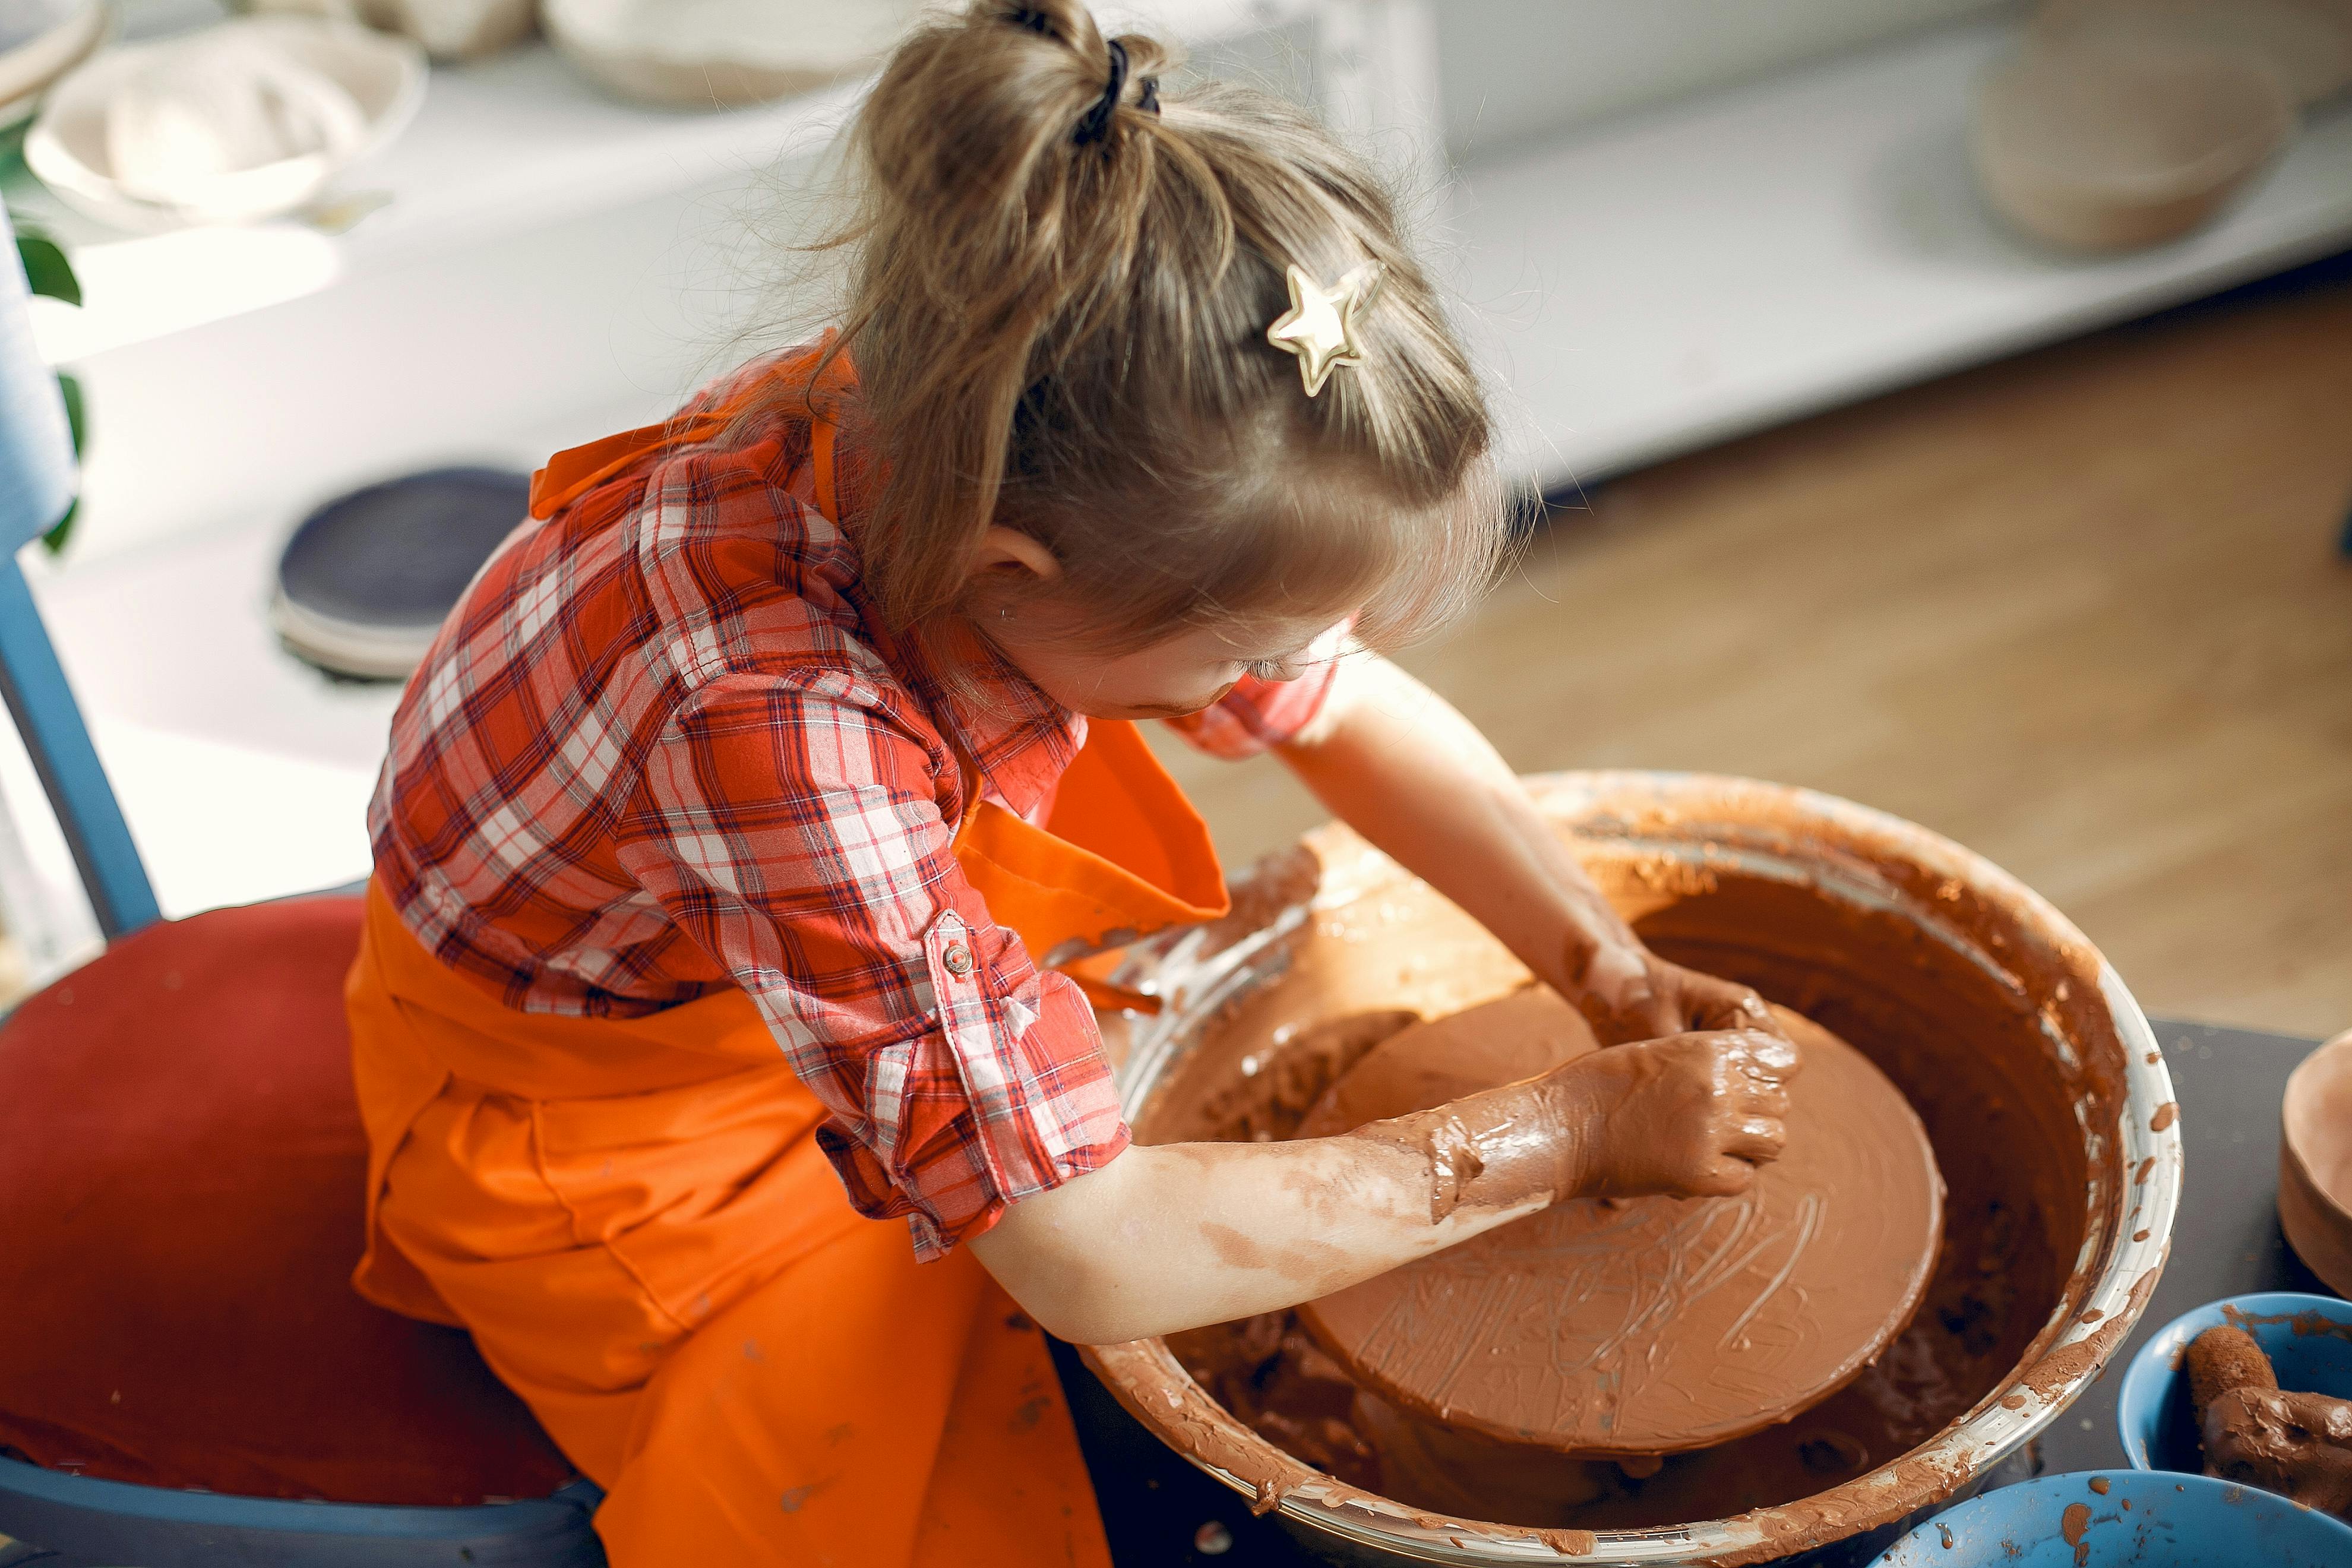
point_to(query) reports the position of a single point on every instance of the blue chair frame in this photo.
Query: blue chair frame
(79, 1522)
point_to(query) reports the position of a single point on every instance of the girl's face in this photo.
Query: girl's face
(1178, 675)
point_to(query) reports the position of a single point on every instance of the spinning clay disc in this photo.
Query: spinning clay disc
(1650, 1325)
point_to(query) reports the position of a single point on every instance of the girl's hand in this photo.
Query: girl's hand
(1173, 1236)
(1628, 992)
(1691, 1115)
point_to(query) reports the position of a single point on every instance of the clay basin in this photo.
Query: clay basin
(2314, 1192)
(2033, 1071)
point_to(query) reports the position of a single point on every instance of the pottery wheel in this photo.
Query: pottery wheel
(1641, 1326)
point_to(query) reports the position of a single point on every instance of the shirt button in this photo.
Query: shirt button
(958, 959)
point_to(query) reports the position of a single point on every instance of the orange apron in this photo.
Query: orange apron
(633, 1218)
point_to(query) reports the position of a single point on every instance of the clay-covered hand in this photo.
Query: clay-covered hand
(1628, 992)
(2297, 1445)
(1692, 1114)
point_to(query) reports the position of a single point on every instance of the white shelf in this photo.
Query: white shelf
(516, 142)
(1659, 284)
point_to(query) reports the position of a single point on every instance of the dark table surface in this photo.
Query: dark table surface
(2225, 1243)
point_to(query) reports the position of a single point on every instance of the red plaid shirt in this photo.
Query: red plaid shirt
(661, 747)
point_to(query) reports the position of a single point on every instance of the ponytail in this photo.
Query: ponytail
(1059, 297)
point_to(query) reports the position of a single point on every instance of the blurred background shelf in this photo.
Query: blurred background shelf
(510, 143)
(1654, 285)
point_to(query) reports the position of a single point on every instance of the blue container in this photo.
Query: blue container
(2141, 1519)
(2308, 1338)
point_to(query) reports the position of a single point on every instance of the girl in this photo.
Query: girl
(734, 830)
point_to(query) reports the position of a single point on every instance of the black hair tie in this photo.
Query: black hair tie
(1097, 124)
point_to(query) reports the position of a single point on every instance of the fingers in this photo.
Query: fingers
(1742, 1064)
(1753, 1098)
(1765, 1058)
(1692, 1113)
(1758, 1140)
(1720, 1004)
(1722, 1177)
(1705, 1002)
(1646, 1016)
(1764, 1064)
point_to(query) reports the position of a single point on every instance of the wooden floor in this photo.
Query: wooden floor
(2081, 611)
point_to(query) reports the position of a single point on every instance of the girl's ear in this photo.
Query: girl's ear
(1011, 558)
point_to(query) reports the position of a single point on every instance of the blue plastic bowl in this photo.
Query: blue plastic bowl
(2308, 1338)
(2143, 1520)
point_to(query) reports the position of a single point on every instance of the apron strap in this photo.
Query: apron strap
(568, 475)
(822, 432)
(571, 474)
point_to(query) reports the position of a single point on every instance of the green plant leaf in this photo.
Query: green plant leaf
(76, 412)
(54, 541)
(46, 269)
(77, 420)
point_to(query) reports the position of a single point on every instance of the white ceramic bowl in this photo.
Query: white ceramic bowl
(67, 147)
(30, 65)
(720, 53)
(450, 29)
(2111, 142)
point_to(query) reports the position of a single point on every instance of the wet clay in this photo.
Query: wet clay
(2222, 1358)
(1648, 1325)
(1959, 1038)
(2297, 1445)
(2073, 1525)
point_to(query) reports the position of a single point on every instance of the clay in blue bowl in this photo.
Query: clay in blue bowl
(2308, 1338)
(2125, 1519)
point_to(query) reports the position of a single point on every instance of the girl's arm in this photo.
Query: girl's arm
(1400, 765)
(1179, 1234)
(1173, 1237)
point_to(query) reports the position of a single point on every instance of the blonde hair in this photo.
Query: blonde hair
(1063, 331)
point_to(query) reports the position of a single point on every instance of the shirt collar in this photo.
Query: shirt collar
(1020, 739)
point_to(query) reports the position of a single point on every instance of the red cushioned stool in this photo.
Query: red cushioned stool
(181, 1178)
(186, 1375)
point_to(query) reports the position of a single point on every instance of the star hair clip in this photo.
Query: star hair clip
(1320, 325)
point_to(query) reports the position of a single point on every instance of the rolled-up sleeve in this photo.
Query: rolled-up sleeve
(1259, 714)
(789, 825)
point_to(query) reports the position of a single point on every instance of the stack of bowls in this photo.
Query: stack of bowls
(40, 41)
(2163, 1512)
(2125, 1519)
